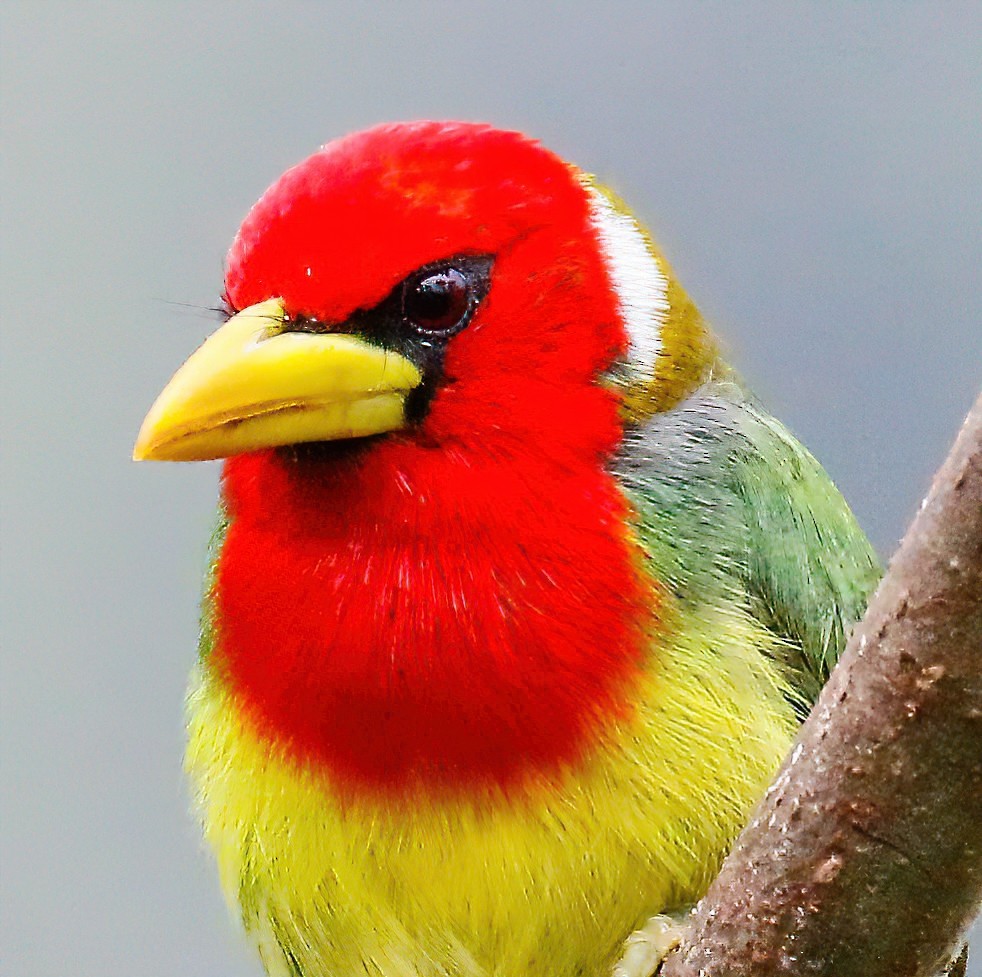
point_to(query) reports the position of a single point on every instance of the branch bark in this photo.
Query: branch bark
(865, 856)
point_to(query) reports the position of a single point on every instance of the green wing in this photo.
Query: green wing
(810, 569)
(732, 508)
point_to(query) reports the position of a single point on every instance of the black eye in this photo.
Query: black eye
(436, 301)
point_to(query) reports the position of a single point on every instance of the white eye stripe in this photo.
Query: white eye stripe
(641, 286)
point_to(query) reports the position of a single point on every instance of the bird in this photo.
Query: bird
(517, 595)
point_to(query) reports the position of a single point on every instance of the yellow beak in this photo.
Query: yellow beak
(253, 385)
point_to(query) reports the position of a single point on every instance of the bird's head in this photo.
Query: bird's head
(449, 587)
(449, 281)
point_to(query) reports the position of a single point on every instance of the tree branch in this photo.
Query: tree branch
(865, 856)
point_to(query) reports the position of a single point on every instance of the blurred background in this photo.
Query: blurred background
(811, 169)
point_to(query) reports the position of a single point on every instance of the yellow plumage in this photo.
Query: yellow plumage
(548, 883)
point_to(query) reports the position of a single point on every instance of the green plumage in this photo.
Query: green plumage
(734, 511)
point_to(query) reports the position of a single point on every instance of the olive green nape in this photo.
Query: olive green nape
(687, 355)
(688, 350)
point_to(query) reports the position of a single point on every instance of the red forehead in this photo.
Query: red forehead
(339, 230)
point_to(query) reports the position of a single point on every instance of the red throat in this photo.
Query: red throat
(460, 602)
(439, 622)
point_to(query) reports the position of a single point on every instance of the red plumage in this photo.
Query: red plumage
(418, 611)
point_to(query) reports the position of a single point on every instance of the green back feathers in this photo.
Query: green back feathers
(732, 510)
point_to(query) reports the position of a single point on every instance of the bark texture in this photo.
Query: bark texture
(865, 857)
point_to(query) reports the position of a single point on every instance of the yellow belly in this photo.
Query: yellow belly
(548, 883)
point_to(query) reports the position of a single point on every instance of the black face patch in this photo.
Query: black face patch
(418, 318)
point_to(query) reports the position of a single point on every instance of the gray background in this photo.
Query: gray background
(812, 169)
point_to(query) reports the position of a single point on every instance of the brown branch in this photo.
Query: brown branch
(865, 857)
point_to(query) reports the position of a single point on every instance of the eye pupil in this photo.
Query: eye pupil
(436, 301)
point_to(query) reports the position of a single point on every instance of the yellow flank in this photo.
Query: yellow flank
(547, 883)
